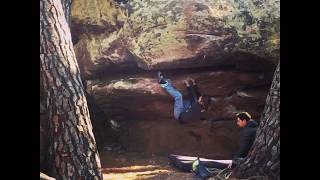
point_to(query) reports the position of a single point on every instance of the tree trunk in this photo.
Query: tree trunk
(72, 148)
(66, 6)
(264, 157)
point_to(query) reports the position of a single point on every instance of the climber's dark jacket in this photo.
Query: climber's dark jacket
(247, 137)
(193, 110)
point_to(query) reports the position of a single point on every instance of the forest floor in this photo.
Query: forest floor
(138, 166)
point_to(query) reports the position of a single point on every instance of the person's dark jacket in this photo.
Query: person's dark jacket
(193, 112)
(247, 138)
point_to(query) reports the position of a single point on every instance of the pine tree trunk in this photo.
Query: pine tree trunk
(72, 148)
(264, 157)
(66, 6)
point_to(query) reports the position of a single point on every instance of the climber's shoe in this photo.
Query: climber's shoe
(160, 78)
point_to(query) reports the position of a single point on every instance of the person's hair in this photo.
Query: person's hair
(244, 116)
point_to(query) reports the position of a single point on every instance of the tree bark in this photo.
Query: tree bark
(72, 148)
(264, 156)
(66, 6)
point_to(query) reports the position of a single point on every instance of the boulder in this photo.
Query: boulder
(171, 34)
(229, 47)
(174, 34)
(145, 111)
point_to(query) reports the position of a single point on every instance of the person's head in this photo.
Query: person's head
(242, 118)
(204, 101)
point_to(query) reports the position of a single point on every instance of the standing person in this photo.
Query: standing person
(185, 109)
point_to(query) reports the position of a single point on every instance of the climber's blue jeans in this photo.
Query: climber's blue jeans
(178, 107)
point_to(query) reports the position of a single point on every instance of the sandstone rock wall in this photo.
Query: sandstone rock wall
(145, 111)
(229, 47)
(170, 34)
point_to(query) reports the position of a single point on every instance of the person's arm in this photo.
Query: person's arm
(195, 88)
(190, 91)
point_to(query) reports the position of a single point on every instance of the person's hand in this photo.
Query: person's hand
(193, 81)
(186, 82)
(230, 164)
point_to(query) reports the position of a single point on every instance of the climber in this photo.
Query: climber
(186, 109)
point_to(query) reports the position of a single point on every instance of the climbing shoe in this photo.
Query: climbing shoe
(161, 78)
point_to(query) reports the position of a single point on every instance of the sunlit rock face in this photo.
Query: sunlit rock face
(169, 34)
(229, 47)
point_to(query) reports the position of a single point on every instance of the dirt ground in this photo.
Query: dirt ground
(117, 165)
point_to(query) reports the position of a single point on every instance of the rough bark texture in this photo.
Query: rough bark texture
(66, 5)
(43, 128)
(72, 147)
(264, 159)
